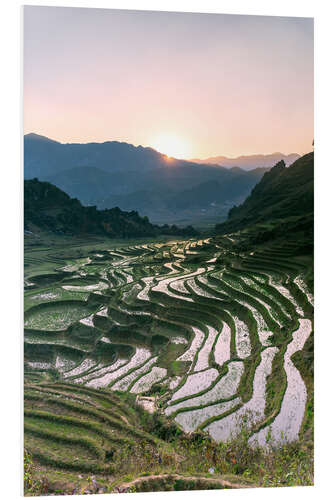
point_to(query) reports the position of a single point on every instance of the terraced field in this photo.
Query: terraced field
(193, 329)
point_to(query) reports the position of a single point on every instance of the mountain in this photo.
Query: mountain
(43, 156)
(86, 183)
(48, 208)
(201, 195)
(252, 161)
(283, 195)
(211, 192)
(137, 178)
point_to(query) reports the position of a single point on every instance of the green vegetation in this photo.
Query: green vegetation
(282, 193)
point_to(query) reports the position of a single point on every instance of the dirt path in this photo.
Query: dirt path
(222, 482)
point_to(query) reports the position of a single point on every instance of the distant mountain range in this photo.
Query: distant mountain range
(283, 200)
(252, 161)
(138, 178)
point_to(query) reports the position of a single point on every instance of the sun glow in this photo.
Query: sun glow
(172, 146)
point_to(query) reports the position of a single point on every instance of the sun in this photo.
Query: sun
(171, 145)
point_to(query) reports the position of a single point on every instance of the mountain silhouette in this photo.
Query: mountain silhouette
(251, 161)
(116, 173)
(48, 209)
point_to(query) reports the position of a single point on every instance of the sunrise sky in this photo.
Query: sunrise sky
(189, 85)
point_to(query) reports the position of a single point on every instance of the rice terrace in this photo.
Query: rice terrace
(135, 351)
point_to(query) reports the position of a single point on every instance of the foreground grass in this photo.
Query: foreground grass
(172, 460)
(291, 465)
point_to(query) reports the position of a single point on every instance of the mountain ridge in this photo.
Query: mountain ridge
(49, 209)
(103, 174)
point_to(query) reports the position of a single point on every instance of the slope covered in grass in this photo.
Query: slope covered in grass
(282, 194)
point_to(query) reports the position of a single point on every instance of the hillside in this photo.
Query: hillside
(48, 208)
(116, 174)
(75, 432)
(283, 198)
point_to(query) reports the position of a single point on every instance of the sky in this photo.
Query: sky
(188, 85)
